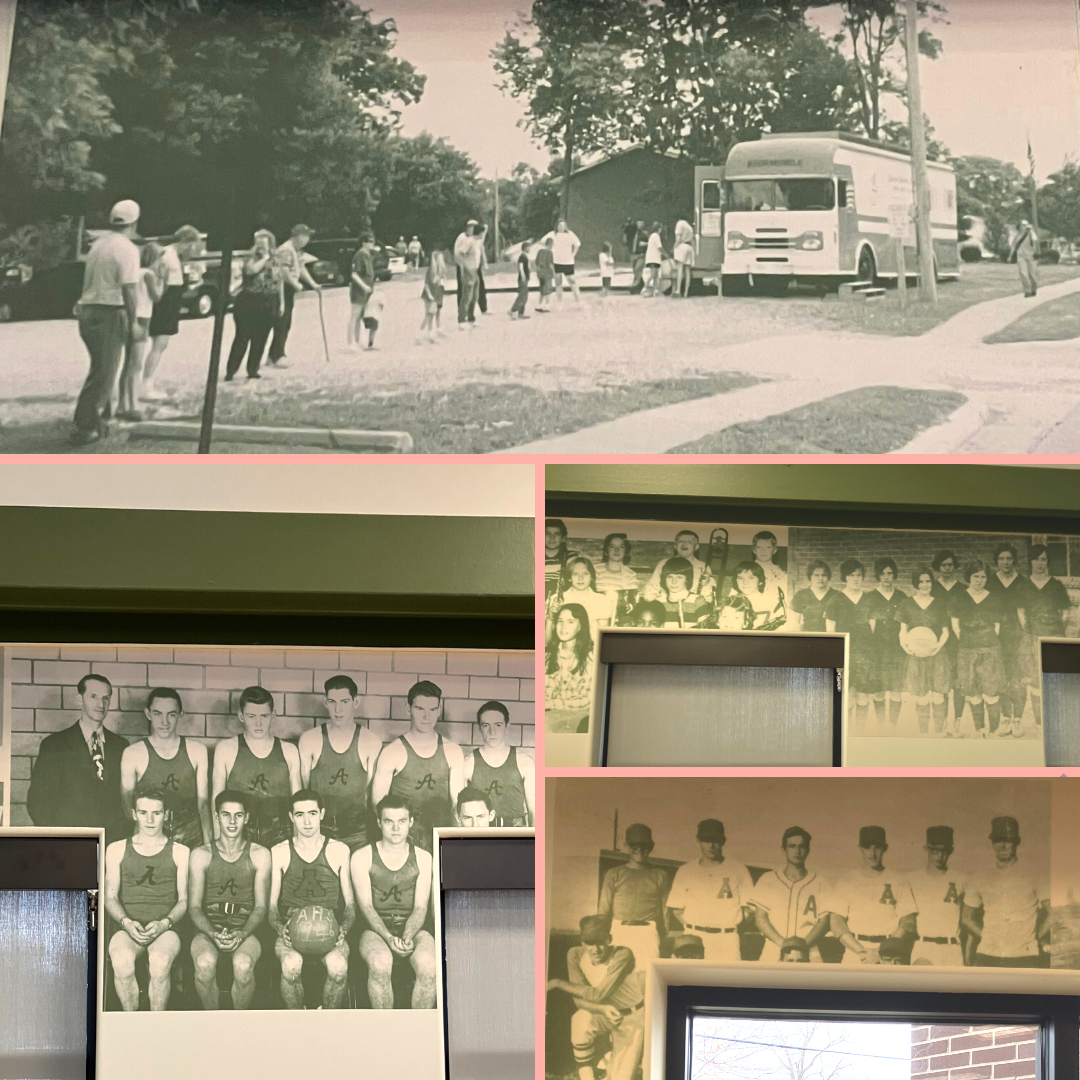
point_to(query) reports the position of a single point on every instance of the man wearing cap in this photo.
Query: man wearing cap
(1024, 252)
(632, 896)
(296, 276)
(468, 258)
(610, 998)
(939, 896)
(709, 894)
(165, 320)
(871, 904)
(786, 902)
(107, 316)
(794, 950)
(891, 952)
(1006, 913)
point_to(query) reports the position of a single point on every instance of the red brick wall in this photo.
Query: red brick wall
(972, 1053)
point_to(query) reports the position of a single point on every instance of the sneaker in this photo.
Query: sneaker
(255, 376)
(520, 317)
(84, 438)
(278, 364)
(228, 378)
(1004, 730)
(1017, 729)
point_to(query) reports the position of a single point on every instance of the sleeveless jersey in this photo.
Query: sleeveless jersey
(503, 786)
(265, 783)
(229, 890)
(148, 883)
(425, 784)
(393, 892)
(342, 782)
(314, 882)
(174, 780)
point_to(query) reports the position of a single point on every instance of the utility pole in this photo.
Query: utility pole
(498, 244)
(921, 181)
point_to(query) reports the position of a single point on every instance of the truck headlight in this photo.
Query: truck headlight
(736, 241)
(811, 241)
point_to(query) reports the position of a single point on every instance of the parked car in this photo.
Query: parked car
(51, 293)
(332, 263)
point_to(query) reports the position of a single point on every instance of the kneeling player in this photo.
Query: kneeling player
(310, 869)
(146, 893)
(228, 893)
(392, 879)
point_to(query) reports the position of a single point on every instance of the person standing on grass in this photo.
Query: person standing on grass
(1025, 250)
(415, 253)
(468, 257)
(433, 293)
(258, 304)
(165, 320)
(607, 268)
(545, 273)
(372, 314)
(361, 286)
(564, 249)
(638, 243)
(150, 290)
(108, 316)
(294, 277)
(684, 258)
(654, 258)
(517, 311)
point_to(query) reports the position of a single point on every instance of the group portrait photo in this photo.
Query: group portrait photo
(268, 814)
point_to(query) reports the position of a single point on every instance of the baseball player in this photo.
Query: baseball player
(939, 896)
(610, 999)
(891, 952)
(794, 950)
(632, 896)
(686, 545)
(1006, 912)
(785, 902)
(709, 895)
(871, 904)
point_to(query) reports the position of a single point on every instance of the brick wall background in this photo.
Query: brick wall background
(43, 681)
(972, 1053)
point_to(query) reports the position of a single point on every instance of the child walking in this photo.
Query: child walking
(372, 313)
(545, 272)
(433, 292)
(607, 269)
(517, 310)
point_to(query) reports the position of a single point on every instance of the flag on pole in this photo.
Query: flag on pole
(1030, 156)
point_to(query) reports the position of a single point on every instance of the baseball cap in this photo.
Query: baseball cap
(871, 836)
(939, 836)
(595, 929)
(186, 234)
(638, 834)
(788, 944)
(711, 829)
(891, 949)
(687, 947)
(302, 230)
(1004, 828)
(125, 212)
(472, 221)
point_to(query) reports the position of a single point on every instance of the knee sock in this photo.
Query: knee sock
(978, 715)
(993, 715)
(894, 710)
(941, 714)
(922, 714)
(1036, 707)
(1019, 697)
(860, 712)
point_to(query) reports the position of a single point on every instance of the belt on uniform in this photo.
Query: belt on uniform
(634, 922)
(876, 938)
(713, 929)
(627, 1012)
(941, 940)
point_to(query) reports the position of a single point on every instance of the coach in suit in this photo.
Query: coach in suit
(76, 778)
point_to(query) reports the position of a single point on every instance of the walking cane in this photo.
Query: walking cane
(322, 323)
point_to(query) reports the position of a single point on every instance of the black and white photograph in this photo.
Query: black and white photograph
(268, 813)
(819, 227)
(944, 628)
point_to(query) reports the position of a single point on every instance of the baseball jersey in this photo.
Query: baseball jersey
(872, 901)
(342, 782)
(792, 906)
(938, 898)
(711, 894)
(174, 780)
(148, 889)
(314, 882)
(628, 991)
(1009, 899)
(229, 889)
(503, 785)
(633, 894)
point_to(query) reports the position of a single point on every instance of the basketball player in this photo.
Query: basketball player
(939, 895)
(686, 546)
(474, 809)
(1006, 912)
(504, 773)
(392, 878)
(785, 902)
(310, 869)
(633, 895)
(610, 998)
(228, 896)
(337, 759)
(421, 767)
(177, 768)
(263, 767)
(709, 894)
(146, 893)
(872, 903)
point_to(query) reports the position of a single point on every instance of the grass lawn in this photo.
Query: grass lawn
(1056, 320)
(872, 420)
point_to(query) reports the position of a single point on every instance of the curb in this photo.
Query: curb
(947, 437)
(386, 442)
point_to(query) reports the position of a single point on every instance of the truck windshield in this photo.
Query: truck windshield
(803, 193)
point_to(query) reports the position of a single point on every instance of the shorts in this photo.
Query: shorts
(1029, 661)
(891, 667)
(684, 253)
(980, 671)
(606, 282)
(653, 266)
(357, 297)
(432, 307)
(547, 286)
(927, 675)
(165, 321)
(370, 324)
(566, 269)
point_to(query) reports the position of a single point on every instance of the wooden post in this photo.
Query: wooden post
(927, 279)
(901, 270)
(206, 430)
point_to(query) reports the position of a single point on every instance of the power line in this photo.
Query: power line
(817, 1050)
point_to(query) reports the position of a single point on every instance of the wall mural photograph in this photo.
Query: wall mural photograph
(268, 813)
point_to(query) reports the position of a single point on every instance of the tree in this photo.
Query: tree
(993, 191)
(1059, 202)
(571, 60)
(772, 1050)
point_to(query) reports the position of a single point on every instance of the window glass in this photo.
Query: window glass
(710, 195)
(800, 193)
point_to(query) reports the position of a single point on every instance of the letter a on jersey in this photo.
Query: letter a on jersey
(725, 892)
(811, 906)
(951, 897)
(887, 896)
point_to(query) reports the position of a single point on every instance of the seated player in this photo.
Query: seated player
(310, 869)
(474, 809)
(794, 950)
(392, 878)
(228, 894)
(146, 893)
(504, 773)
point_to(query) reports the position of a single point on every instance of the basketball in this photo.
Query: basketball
(313, 930)
(922, 641)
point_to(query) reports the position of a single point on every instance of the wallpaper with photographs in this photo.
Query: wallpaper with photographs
(939, 872)
(944, 625)
(268, 812)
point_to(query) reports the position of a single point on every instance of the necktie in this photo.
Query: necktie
(97, 752)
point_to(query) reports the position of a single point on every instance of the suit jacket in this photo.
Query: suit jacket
(65, 789)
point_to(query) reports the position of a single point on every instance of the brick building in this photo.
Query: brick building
(973, 1053)
(43, 681)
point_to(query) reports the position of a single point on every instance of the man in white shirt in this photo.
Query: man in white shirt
(686, 546)
(1006, 912)
(564, 249)
(165, 321)
(939, 895)
(709, 895)
(468, 258)
(107, 316)
(290, 256)
(764, 545)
